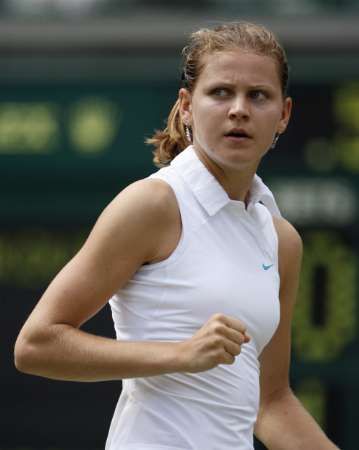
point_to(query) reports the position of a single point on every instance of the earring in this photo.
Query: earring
(275, 140)
(188, 132)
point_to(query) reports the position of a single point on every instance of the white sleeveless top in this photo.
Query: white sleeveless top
(226, 262)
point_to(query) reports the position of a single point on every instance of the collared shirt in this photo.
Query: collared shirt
(211, 194)
(225, 262)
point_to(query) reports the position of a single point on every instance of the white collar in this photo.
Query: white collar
(209, 191)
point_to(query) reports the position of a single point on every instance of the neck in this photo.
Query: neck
(234, 181)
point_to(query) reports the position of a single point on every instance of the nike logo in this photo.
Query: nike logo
(267, 267)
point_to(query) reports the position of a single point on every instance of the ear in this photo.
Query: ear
(286, 112)
(185, 106)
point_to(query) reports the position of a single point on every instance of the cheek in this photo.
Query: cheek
(272, 120)
(207, 116)
(201, 118)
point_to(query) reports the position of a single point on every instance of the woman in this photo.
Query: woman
(201, 270)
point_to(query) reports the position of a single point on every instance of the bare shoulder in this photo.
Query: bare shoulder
(142, 204)
(144, 214)
(135, 228)
(290, 244)
(288, 236)
(290, 250)
(148, 196)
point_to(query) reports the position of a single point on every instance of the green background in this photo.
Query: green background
(67, 147)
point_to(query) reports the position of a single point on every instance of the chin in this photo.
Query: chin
(235, 160)
(237, 165)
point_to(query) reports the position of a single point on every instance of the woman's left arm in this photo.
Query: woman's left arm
(283, 423)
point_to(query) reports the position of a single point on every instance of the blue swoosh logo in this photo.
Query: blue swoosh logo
(265, 267)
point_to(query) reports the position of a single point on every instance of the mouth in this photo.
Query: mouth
(237, 134)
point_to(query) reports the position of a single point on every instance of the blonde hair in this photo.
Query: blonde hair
(170, 141)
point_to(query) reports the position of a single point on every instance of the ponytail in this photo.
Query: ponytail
(170, 141)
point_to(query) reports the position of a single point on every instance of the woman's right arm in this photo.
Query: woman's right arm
(142, 224)
(129, 232)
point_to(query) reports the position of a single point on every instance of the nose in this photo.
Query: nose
(239, 108)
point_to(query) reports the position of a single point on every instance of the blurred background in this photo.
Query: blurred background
(82, 84)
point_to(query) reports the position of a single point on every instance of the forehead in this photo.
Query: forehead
(239, 65)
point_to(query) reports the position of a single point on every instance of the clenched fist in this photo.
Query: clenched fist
(218, 341)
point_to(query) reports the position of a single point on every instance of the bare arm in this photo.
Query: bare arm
(283, 423)
(130, 231)
(141, 225)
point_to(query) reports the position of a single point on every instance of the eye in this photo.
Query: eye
(258, 94)
(221, 92)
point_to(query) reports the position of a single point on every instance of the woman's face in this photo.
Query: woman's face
(236, 108)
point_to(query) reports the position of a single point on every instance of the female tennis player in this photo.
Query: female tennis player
(200, 269)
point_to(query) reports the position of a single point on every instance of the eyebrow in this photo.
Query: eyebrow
(232, 85)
